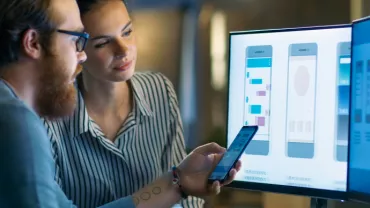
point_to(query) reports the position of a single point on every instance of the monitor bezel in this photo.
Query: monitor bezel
(354, 195)
(274, 188)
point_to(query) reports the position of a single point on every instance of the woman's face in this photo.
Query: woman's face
(111, 50)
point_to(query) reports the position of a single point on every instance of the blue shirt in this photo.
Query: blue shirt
(27, 167)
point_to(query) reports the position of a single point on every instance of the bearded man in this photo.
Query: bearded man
(41, 45)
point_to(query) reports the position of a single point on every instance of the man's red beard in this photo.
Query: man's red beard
(57, 95)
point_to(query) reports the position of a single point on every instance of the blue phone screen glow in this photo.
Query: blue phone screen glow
(232, 154)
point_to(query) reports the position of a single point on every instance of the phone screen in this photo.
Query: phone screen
(233, 153)
(301, 100)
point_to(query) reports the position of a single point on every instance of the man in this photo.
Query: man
(41, 44)
(38, 62)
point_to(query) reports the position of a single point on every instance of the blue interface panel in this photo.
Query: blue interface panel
(359, 159)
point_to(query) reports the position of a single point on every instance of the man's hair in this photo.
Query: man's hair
(16, 17)
(86, 5)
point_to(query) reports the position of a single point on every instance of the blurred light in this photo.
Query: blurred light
(205, 15)
(218, 50)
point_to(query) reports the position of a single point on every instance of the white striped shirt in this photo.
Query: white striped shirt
(93, 170)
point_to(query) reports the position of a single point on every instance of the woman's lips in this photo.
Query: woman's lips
(124, 66)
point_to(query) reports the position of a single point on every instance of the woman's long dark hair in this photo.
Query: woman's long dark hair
(86, 5)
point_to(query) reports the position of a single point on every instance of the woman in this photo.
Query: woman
(126, 130)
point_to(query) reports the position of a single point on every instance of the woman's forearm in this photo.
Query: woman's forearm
(161, 193)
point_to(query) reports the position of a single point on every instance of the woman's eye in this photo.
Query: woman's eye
(101, 45)
(127, 33)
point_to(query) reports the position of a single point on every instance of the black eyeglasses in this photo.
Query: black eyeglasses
(81, 41)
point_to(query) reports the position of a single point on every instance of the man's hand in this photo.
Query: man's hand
(193, 172)
(195, 169)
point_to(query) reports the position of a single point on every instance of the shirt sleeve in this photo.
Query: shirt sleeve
(27, 166)
(27, 169)
(178, 151)
(126, 202)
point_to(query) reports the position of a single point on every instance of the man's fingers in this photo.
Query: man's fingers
(231, 177)
(238, 166)
(215, 188)
(210, 148)
(232, 173)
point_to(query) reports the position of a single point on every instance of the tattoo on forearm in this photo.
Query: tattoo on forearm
(156, 190)
(136, 201)
(145, 196)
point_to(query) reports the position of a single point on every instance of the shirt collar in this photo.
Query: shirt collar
(140, 99)
(81, 122)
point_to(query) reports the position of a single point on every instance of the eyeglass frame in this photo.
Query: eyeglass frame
(84, 35)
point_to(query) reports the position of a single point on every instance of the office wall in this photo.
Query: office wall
(158, 40)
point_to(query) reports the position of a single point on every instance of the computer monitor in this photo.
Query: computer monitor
(293, 84)
(359, 145)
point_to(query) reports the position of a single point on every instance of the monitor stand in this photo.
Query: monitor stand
(319, 203)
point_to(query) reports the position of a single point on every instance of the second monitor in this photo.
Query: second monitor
(293, 84)
(359, 151)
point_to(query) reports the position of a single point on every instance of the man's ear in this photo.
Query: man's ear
(31, 44)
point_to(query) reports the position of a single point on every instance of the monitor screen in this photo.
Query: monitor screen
(359, 157)
(293, 84)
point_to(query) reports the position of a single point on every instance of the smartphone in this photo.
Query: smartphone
(233, 154)
(301, 100)
(257, 95)
(342, 106)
